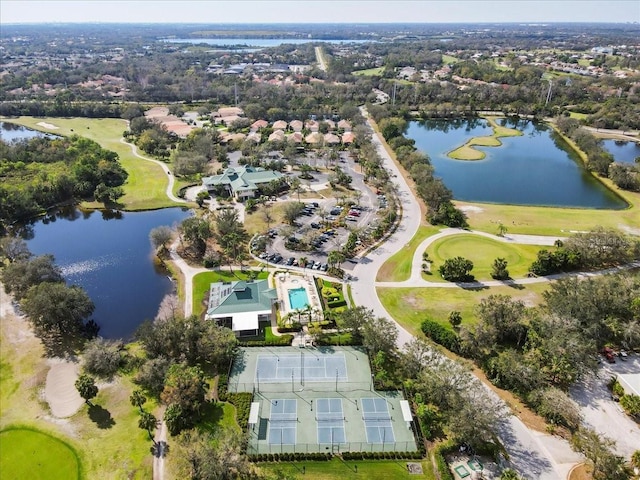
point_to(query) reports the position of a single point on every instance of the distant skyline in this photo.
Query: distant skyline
(314, 11)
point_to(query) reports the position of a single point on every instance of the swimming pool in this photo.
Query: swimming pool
(298, 298)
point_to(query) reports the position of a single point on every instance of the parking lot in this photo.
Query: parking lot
(325, 225)
(599, 409)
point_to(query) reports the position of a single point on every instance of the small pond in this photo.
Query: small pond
(10, 132)
(537, 168)
(109, 254)
(622, 151)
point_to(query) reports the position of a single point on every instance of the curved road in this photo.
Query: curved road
(533, 454)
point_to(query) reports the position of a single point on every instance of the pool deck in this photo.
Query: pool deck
(285, 281)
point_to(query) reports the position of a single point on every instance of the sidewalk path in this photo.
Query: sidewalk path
(172, 180)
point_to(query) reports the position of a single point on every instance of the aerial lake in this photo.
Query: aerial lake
(109, 254)
(10, 132)
(537, 168)
(622, 151)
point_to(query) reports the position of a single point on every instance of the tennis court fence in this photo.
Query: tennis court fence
(255, 449)
(297, 385)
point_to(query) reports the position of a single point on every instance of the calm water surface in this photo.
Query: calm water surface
(537, 168)
(10, 132)
(624, 152)
(109, 254)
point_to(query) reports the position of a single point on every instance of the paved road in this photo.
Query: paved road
(322, 64)
(535, 455)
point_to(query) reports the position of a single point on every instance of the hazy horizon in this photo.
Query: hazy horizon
(318, 12)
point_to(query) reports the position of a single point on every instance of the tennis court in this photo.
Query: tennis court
(283, 421)
(314, 400)
(330, 418)
(298, 367)
(377, 420)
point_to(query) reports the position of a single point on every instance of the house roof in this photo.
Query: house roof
(240, 297)
(227, 111)
(295, 137)
(315, 137)
(279, 125)
(296, 125)
(259, 124)
(344, 125)
(242, 178)
(331, 138)
(276, 136)
(348, 137)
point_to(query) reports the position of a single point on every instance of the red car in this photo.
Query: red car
(608, 355)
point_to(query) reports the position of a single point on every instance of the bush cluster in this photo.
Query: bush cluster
(275, 342)
(441, 335)
(382, 455)
(242, 402)
(290, 457)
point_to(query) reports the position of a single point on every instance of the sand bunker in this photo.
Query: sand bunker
(46, 125)
(60, 391)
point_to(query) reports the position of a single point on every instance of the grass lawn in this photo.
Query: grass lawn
(202, 281)
(398, 267)
(29, 453)
(337, 469)
(448, 59)
(482, 252)
(369, 72)
(578, 116)
(219, 415)
(147, 182)
(409, 306)
(467, 152)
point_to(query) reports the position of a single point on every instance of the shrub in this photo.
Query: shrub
(441, 335)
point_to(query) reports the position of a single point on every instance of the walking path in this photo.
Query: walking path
(172, 180)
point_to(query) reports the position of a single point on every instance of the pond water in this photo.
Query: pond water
(109, 254)
(537, 168)
(623, 152)
(255, 42)
(10, 132)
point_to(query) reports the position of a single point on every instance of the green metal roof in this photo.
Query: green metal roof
(226, 298)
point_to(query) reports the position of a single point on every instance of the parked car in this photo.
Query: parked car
(351, 218)
(291, 261)
(608, 355)
(315, 225)
(324, 267)
(316, 266)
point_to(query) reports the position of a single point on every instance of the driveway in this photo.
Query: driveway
(604, 415)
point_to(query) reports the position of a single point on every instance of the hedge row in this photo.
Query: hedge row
(296, 327)
(289, 457)
(441, 462)
(337, 303)
(441, 335)
(280, 341)
(382, 455)
(242, 402)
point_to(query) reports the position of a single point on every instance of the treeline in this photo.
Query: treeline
(58, 313)
(57, 108)
(431, 189)
(599, 248)
(539, 353)
(41, 172)
(625, 176)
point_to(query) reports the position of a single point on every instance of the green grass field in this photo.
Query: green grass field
(337, 469)
(31, 454)
(448, 59)
(482, 252)
(468, 152)
(409, 306)
(398, 267)
(147, 182)
(369, 72)
(202, 281)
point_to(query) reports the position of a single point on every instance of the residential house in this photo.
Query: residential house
(344, 125)
(331, 139)
(241, 305)
(277, 136)
(259, 124)
(296, 125)
(348, 137)
(280, 125)
(314, 138)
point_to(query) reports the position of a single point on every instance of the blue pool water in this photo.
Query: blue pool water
(298, 298)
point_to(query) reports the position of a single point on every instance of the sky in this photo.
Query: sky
(314, 11)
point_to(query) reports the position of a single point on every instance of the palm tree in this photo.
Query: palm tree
(303, 263)
(138, 399)
(148, 422)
